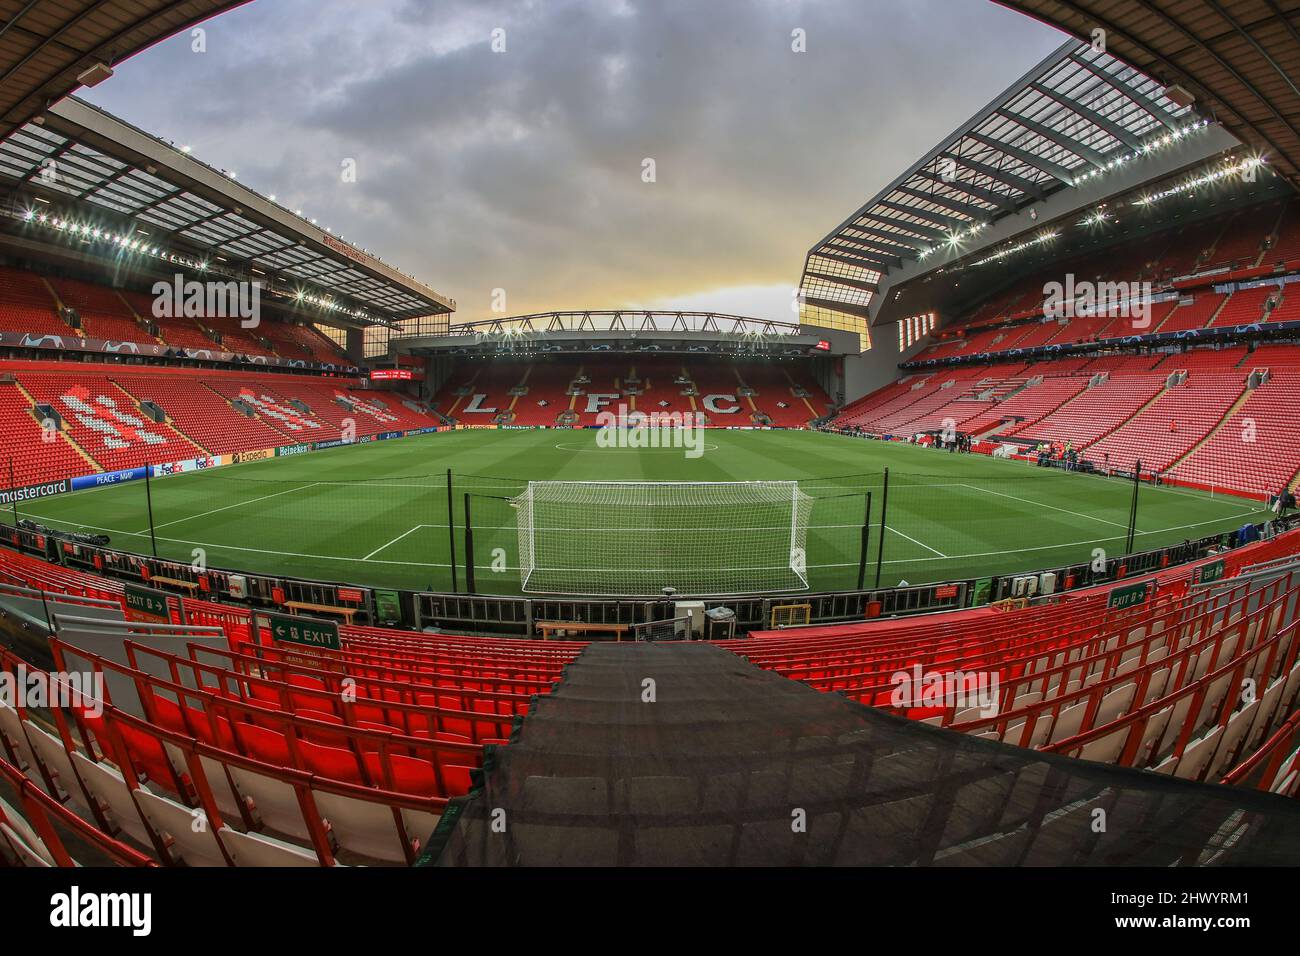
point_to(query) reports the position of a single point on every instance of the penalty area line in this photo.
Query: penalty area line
(394, 541)
(921, 543)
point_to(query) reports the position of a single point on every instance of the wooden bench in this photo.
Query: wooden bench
(192, 586)
(346, 613)
(548, 629)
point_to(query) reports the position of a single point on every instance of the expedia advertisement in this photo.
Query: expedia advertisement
(33, 492)
(259, 454)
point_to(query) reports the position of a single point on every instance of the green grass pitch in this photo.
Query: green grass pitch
(376, 514)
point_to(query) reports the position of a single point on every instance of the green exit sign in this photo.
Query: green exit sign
(1210, 572)
(1129, 596)
(146, 603)
(304, 630)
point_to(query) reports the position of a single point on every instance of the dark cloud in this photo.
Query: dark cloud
(522, 170)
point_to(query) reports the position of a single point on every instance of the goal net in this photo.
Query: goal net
(637, 538)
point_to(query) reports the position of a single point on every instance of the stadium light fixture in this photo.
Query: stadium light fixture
(95, 75)
(1205, 179)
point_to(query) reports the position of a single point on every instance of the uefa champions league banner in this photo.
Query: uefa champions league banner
(74, 343)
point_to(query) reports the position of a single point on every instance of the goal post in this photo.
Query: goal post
(639, 537)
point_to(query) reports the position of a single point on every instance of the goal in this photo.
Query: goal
(639, 537)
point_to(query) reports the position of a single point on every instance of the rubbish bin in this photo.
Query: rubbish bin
(720, 624)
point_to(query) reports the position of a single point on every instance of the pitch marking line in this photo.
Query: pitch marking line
(395, 540)
(922, 544)
(1028, 501)
(238, 504)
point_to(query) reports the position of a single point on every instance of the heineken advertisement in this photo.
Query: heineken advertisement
(1130, 595)
(310, 631)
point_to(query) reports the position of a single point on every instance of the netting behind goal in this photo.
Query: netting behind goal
(616, 537)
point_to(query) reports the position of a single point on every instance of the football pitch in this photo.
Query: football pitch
(377, 514)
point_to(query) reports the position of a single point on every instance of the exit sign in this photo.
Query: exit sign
(145, 604)
(1129, 596)
(1213, 571)
(304, 630)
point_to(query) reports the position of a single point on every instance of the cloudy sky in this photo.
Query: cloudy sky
(524, 169)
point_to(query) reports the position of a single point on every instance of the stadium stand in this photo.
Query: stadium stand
(1150, 687)
(1096, 411)
(179, 332)
(1245, 307)
(105, 422)
(286, 767)
(104, 315)
(1031, 404)
(943, 799)
(1253, 452)
(201, 414)
(1113, 405)
(301, 341)
(1188, 249)
(272, 408)
(1196, 314)
(566, 392)
(27, 305)
(1243, 238)
(30, 457)
(1179, 418)
(1285, 246)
